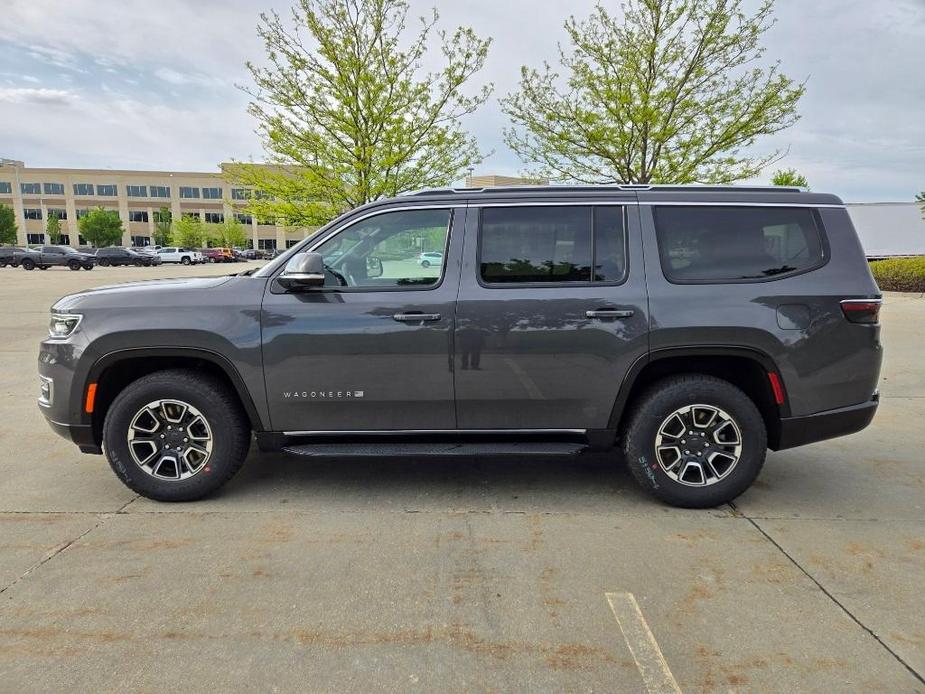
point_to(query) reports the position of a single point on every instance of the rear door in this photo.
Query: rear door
(552, 312)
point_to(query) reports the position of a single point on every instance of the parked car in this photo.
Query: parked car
(688, 329)
(11, 255)
(252, 254)
(148, 250)
(49, 256)
(430, 258)
(87, 249)
(213, 255)
(116, 255)
(184, 256)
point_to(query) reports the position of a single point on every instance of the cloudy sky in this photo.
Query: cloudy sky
(150, 84)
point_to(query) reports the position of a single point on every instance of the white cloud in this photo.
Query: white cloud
(176, 77)
(28, 95)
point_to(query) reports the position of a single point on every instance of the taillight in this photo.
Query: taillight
(861, 310)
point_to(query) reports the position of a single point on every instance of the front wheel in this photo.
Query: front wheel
(28, 264)
(425, 263)
(44, 267)
(104, 262)
(73, 265)
(88, 266)
(186, 260)
(695, 441)
(3, 263)
(176, 435)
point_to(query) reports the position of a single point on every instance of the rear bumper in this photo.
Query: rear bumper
(799, 431)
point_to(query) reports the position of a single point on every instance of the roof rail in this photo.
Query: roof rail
(565, 187)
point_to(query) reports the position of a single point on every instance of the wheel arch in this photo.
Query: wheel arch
(745, 367)
(115, 370)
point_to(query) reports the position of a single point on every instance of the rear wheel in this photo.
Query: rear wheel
(104, 262)
(138, 263)
(186, 260)
(88, 266)
(44, 267)
(695, 441)
(3, 263)
(425, 263)
(176, 435)
(28, 264)
(73, 264)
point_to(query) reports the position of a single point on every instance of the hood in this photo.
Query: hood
(145, 293)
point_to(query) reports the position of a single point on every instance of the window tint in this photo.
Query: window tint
(385, 251)
(736, 243)
(552, 244)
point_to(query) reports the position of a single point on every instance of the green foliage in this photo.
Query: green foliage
(921, 198)
(672, 92)
(346, 114)
(163, 224)
(101, 227)
(229, 234)
(900, 274)
(7, 225)
(189, 232)
(789, 177)
(53, 228)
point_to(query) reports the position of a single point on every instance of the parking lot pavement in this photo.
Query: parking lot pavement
(458, 576)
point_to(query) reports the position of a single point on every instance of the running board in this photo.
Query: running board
(393, 450)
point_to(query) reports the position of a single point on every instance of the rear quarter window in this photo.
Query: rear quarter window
(737, 244)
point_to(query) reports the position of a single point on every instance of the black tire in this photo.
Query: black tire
(139, 263)
(73, 265)
(44, 267)
(28, 264)
(219, 406)
(104, 262)
(3, 263)
(665, 397)
(186, 260)
(425, 263)
(88, 267)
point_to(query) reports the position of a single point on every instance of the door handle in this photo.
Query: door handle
(609, 313)
(415, 317)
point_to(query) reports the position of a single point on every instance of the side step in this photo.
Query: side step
(393, 450)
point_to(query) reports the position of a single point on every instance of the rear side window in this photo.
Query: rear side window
(717, 244)
(539, 245)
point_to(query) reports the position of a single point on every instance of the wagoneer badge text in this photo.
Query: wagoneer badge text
(324, 394)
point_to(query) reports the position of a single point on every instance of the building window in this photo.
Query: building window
(35, 239)
(266, 244)
(261, 195)
(292, 242)
(212, 193)
(107, 191)
(65, 240)
(31, 188)
(240, 194)
(192, 215)
(82, 212)
(214, 217)
(188, 192)
(58, 212)
(136, 191)
(138, 215)
(32, 213)
(244, 218)
(160, 191)
(167, 216)
(53, 188)
(141, 241)
(6, 188)
(83, 189)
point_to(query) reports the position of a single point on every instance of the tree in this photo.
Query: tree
(7, 225)
(230, 234)
(789, 177)
(672, 93)
(101, 227)
(346, 114)
(53, 228)
(163, 224)
(189, 232)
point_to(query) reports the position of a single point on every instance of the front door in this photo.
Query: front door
(369, 351)
(552, 312)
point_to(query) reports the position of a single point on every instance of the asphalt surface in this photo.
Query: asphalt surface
(459, 575)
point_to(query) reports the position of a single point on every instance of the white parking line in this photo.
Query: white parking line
(642, 644)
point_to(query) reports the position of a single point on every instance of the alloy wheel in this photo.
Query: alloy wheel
(170, 439)
(698, 445)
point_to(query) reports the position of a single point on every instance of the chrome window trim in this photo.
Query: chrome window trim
(323, 235)
(681, 203)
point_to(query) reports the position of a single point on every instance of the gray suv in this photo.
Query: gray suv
(688, 328)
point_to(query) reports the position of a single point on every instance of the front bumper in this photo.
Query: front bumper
(799, 431)
(80, 434)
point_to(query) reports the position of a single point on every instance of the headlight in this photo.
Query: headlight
(63, 325)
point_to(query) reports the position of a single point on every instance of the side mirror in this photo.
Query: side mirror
(373, 267)
(303, 271)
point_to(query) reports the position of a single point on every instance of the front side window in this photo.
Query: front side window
(106, 190)
(540, 245)
(717, 244)
(387, 251)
